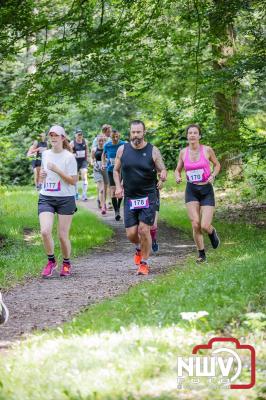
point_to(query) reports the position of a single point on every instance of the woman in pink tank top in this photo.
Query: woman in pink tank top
(196, 160)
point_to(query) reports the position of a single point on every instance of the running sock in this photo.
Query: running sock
(154, 234)
(51, 257)
(114, 202)
(202, 253)
(119, 201)
(144, 261)
(137, 247)
(202, 257)
(66, 261)
(84, 188)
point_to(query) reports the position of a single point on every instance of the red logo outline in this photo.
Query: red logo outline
(238, 346)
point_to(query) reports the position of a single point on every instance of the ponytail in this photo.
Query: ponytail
(66, 145)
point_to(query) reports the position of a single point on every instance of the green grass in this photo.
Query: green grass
(92, 188)
(134, 363)
(232, 283)
(126, 348)
(19, 258)
(170, 186)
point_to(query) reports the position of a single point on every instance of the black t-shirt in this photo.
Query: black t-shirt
(138, 171)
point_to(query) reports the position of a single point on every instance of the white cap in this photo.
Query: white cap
(59, 130)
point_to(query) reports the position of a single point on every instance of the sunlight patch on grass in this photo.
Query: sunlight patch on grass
(136, 362)
(131, 361)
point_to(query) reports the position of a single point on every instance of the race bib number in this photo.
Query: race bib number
(42, 149)
(196, 175)
(135, 204)
(52, 186)
(112, 161)
(80, 154)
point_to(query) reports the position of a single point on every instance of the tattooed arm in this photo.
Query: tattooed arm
(159, 164)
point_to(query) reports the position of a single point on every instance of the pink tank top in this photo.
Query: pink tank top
(197, 171)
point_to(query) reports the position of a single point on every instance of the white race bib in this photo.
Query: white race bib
(51, 185)
(135, 204)
(42, 149)
(195, 175)
(80, 154)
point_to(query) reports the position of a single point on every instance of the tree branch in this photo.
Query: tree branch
(102, 13)
(45, 43)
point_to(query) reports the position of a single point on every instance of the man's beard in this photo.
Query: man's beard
(137, 141)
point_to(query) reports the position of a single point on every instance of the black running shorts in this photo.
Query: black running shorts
(82, 164)
(55, 204)
(203, 194)
(111, 178)
(158, 200)
(145, 215)
(36, 163)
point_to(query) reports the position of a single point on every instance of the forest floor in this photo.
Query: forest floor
(105, 272)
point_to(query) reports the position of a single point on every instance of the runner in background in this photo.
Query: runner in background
(139, 162)
(59, 175)
(154, 228)
(99, 174)
(106, 130)
(36, 150)
(199, 195)
(80, 149)
(108, 162)
(3, 311)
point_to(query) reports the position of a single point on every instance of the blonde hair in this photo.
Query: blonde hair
(106, 128)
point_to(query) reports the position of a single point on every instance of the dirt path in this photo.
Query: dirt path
(105, 272)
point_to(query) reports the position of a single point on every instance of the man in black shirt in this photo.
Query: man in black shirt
(3, 311)
(140, 163)
(80, 149)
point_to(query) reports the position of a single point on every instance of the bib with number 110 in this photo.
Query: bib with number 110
(195, 175)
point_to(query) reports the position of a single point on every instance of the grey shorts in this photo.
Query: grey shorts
(55, 204)
(100, 176)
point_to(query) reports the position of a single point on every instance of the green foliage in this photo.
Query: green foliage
(170, 63)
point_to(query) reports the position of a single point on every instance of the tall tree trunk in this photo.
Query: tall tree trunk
(226, 98)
